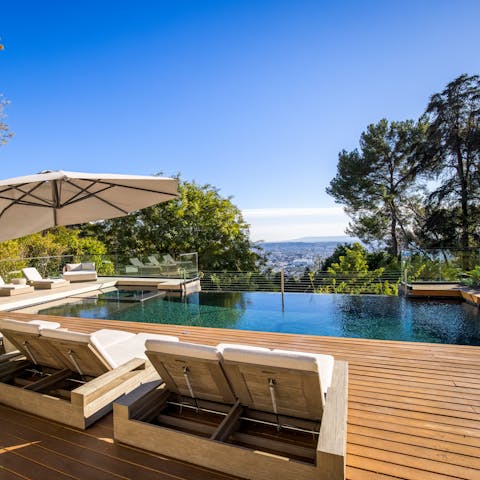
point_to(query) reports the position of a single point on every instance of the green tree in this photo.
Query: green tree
(376, 184)
(451, 151)
(51, 250)
(351, 274)
(199, 220)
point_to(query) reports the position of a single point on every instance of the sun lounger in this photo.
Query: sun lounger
(247, 411)
(80, 272)
(23, 339)
(7, 289)
(154, 261)
(144, 268)
(73, 377)
(35, 279)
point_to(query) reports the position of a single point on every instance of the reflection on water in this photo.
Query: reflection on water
(366, 316)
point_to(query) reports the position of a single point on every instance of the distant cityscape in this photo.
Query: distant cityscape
(295, 256)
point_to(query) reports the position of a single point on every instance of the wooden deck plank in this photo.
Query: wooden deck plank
(9, 475)
(97, 448)
(413, 409)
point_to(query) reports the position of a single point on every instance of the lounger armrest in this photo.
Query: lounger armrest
(104, 384)
(332, 441)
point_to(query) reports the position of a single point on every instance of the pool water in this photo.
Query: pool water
(360, 316)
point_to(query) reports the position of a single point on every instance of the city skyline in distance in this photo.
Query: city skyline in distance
(289, 224)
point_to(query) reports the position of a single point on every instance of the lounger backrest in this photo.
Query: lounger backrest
(169, 259)
(275, 382)
(136, 262)
(191, 370)
(80, 351)
(1, 281)
(26, 338)
(31, 274)
(153, 260)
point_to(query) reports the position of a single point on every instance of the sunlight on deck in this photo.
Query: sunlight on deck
(414, 413)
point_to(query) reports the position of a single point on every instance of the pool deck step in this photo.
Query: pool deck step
(414, 413)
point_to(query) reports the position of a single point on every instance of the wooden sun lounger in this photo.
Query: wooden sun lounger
(70, 377)
(35, 280)
(246, 411)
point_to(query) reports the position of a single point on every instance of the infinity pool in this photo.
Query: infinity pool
(366, 316)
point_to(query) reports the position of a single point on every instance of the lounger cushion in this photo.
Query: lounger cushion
(134, 347)
(108, 337)
(49, 281)
(325, 365)
(12, 286)
(31, 274)
(184, 349)
(289, 360)
(34, 326)
(79, 267)
(248, 348)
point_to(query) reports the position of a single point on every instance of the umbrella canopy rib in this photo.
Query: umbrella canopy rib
(20, 201)
(36, 202)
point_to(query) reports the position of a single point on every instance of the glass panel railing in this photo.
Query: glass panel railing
(183, 266)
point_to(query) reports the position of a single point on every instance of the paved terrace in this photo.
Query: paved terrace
(414, 413)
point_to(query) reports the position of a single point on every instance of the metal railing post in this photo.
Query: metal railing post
(282, 287)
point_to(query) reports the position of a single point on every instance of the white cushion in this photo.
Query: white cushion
(324, 362)
(71, 267)
(271, 359)
(250, 348)
(134, 347)
(80, 275)
(88, 266)
(50, 280)
(34, 326)
(31, 274)
(204, 352)
(107, 337)
(13, 286)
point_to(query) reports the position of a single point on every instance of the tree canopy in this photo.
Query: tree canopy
(199, 220)
(451, 155)
(417, 183)
(375, 184)
(45, 251)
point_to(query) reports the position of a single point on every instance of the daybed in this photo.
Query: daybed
(80, 272)
(246, 411)
(35, 279)
(71, 377)
(7, 289)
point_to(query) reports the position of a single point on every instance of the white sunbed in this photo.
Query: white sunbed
(8, 289)
(24, 337)
(77, 375)
(80, 272)
(35, 279)
(268, 414)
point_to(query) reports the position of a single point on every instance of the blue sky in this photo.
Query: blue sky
(254, 97)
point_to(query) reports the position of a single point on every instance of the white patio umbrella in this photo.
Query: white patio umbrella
(34, 203)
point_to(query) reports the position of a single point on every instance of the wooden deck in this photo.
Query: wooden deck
(414, 413)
